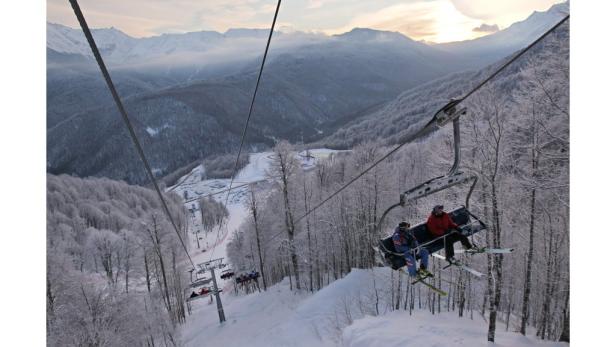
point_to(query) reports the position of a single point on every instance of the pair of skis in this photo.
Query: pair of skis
(460, 265)
(421, 278)
(483, 250)
(380, 259)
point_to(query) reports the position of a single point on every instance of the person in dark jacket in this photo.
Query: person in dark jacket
(405, 242)
(439, 224)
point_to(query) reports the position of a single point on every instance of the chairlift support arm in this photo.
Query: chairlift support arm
(448, 113)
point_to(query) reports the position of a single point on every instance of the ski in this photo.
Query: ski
(460, 265)
(380, 259)
(485, 250)
(421, 280)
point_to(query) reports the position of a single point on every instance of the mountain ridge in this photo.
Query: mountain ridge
(311, 88)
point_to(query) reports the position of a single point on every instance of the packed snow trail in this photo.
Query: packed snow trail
(214, 243)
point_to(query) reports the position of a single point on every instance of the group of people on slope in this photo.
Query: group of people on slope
(251, 276)
(439, 224)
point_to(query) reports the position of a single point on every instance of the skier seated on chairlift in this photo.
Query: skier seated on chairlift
(204, 291)
(439, 224)
(405, 242)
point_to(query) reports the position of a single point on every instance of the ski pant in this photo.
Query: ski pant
(452, 238)
(409, 256)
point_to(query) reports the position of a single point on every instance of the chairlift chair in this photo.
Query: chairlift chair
(468, 222)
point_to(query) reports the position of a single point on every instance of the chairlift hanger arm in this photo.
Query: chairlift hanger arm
(454, 177)
(435, 185)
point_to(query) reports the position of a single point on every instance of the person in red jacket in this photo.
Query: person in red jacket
(439, 224)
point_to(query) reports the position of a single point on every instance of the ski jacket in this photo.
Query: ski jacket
(403, 240)
(438, 225)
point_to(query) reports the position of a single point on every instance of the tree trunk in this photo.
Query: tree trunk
(307, 208)
(147, 271)
(564, 335)
(254, 210)
(531, 235)
(290, 228)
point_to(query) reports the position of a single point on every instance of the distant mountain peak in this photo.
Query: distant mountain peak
(373, 34)
(245, 32)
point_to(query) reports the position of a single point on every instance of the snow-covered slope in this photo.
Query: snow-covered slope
(424, 329)
(340, 314)
(67, 40)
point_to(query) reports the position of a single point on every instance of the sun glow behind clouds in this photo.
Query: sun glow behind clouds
(434, 21)
(452, 25)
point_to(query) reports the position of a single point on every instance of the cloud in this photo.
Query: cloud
(313, 4)
(433, 21)
(486, 28)
(502, 12)
(142, 18)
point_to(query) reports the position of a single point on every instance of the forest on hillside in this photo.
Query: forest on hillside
(115, 267)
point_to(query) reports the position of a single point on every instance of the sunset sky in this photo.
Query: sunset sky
(429, 20)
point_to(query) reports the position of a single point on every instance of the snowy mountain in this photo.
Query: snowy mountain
(192, 48)
(67, 40)
(306, 91)
(414, 107)
(200, 84)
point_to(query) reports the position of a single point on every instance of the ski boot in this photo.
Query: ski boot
(452, 261)
(423, 272)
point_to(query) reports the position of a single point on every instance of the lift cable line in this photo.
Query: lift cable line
(438, 120)
(252, 103)
(127, 122)
(515, 57)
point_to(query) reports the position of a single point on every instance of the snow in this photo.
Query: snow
(425, 329)
(156, 131)
(280, 317)
(152, 131)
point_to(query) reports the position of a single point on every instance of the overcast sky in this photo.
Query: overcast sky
(430, 20)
